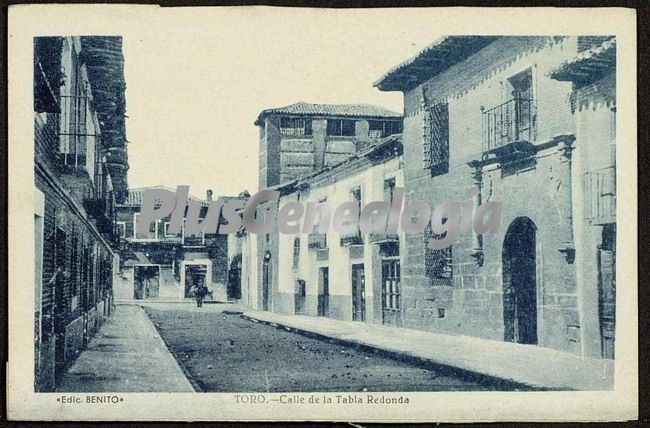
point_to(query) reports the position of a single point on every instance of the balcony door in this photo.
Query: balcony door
(521, 92)
(323, 292)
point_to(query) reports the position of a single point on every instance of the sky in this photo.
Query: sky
(196, 81)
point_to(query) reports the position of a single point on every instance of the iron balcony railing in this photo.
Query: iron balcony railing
(509, 122)
(379, 238)
(317, 241)
(351, 240)
(600, 195)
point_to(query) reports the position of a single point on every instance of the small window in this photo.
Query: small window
(296, 252)
(295, 126)
(193, 239)
(341, 127)
(120, 229)
(389, 189)
(384, 128)
(167, 233)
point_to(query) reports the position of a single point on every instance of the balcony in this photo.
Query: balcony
(99, 210)
(511, 122)
(95, 207)
(317, 241)
(351, 240)
(381, 238)
(600, 195)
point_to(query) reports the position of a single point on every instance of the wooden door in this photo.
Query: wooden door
(358, 293)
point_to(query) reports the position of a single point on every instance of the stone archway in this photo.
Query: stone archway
(520, 282)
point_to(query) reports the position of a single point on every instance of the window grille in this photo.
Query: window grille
(436, 138)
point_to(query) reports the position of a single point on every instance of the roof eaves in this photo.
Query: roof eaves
(434, 59)
(587, 65)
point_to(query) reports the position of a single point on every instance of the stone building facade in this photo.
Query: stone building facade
(301, 138)
(80, 166)
(494, 115)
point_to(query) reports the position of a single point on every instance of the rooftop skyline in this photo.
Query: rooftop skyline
(190, 118)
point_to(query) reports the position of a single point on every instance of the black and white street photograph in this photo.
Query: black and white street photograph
(327, 208)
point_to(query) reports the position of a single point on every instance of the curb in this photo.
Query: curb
(426, 363)
(183, 370)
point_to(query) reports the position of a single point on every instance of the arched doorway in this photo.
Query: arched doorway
(234, 278)
(519, 282)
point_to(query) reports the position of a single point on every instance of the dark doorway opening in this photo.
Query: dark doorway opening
(607, 290)
(266, 279)
(195, 275)
(234, 278)
(301, 296)
(358, 293)
(519, 282)
(323, 292)
(59, 302)
(146, 282)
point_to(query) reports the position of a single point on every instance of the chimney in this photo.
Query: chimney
(209, 194)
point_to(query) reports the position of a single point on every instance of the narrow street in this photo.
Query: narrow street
(222, 352)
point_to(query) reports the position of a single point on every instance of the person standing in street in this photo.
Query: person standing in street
(200, 291)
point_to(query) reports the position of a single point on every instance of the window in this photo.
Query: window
(295, 126)
(389, 189)
(140, 232)
(167, 233)
(194, 239)
(513, 120)
(384, 128)
(120, 229)
(341, 127)
(391, 293)
(436, 138)
(78, 133)
(355, 238)
(296, 252)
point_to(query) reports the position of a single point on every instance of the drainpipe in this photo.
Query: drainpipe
(564, 150)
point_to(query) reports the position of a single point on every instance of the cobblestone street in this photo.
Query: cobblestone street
(222, 352)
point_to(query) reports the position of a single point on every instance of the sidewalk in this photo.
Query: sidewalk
(126, 355)
(525, 364)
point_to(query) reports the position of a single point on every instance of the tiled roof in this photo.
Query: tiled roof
(588, 65)
(350, 110)
(432, 60)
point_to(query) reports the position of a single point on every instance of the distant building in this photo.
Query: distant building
(80, 165)
(529, 122)
(158, 265)
(332, 153)
(301, 138)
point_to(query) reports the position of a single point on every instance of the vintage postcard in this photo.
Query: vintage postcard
(260, 213)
